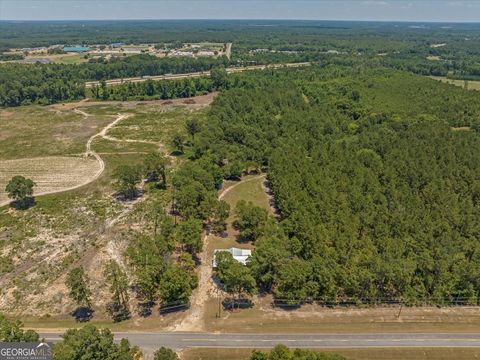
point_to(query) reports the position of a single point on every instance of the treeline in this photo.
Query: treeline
(150, 90)
(166, 89)
(10, 56)
(282, 352)
(379, 196)
(22, 84)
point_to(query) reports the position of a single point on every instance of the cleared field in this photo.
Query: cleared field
(350, 354)
(62, 58)
(472, 84)
(39, 131)
(154, 124)
(69, 228)
(50, 174)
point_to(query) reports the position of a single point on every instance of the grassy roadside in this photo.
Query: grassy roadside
(350, 354)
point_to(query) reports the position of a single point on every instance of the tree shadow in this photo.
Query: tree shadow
(233, 304)
(126, 197)
(23, 204)
(145, 308)
(82, 314)
(118, 312)
(286, 305)
(177, 306)
(176, 153)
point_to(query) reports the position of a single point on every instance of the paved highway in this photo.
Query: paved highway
(181, 340)
(229, 70)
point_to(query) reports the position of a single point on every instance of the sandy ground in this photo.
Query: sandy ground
(50, 174)
(89, 249)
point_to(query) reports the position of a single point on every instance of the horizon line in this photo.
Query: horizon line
(255, 19)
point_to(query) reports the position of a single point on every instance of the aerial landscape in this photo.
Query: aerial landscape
(287, 180)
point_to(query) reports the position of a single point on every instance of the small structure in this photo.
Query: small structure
(241, 255)
(134, 50)
(76, 49)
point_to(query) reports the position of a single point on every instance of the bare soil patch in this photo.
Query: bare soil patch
(50, 174)
(198, 102)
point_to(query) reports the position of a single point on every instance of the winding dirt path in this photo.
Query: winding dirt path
(195, 317)
(88, 152)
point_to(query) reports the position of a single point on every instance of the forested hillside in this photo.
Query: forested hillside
(375, 174)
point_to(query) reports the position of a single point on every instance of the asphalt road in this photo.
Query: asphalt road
(229, 70)
(181, 340)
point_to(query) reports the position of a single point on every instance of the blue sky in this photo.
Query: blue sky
(385, 10)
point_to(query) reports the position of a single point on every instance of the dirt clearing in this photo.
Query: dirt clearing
(50, 174)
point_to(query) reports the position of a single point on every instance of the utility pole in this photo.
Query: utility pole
(399, 311)
(219, 314)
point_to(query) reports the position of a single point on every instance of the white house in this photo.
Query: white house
(241, 255)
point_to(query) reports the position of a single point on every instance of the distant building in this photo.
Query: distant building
(36, 60)
(206, 53)
(241, 255)
(76, 49)
(36, 50)
(176, 53)
(117, 44)
(134, 50)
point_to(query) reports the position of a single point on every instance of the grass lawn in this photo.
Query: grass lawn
(67, 58)
(262, 317)
(250, 189)
(350, 354)
(472, 84)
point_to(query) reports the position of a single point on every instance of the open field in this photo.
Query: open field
(50, 174)
(154, 124)
(36, 131)
(472, 84)
(69, 58)
(350, 354)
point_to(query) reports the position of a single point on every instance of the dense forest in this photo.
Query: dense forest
(451, 50)
(379, 196)
(22, 84)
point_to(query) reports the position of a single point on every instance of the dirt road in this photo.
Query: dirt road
(228, 50)
(88, 152)
(195, 317)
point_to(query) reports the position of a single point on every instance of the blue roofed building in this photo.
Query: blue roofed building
(77, 49)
